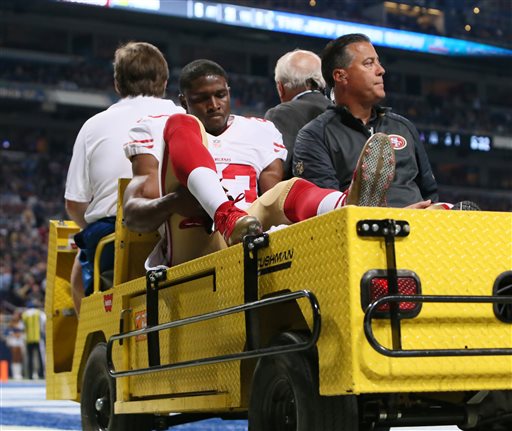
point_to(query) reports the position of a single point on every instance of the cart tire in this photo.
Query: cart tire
(372, 427)
(98, 396)
(495, 413)
(285, 395)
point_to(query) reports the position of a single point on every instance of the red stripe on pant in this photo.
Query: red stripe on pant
(303, 200)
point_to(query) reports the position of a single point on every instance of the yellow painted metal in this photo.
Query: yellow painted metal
(452, 252)
(102, 243)
(215, 402)
(131, 248)
(219, 284)
(61, 320)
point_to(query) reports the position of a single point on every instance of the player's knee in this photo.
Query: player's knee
(181, 121)
(279, 192)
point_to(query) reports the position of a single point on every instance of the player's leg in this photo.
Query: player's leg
(187, 161)
(293, 201)
(297, 199)
(30, 359)
(460, 206)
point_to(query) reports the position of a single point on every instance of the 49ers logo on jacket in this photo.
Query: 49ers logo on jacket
(398, 142)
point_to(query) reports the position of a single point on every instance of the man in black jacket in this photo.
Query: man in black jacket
(300, 86)
(327, 149)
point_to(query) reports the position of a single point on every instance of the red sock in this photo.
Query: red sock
(303, 200)
(184, 146)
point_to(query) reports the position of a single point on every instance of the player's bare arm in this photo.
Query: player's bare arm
(143, 207)
(270, 176)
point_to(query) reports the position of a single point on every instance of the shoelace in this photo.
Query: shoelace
(240, 197)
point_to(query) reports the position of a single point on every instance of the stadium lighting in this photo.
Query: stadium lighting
(305, 25)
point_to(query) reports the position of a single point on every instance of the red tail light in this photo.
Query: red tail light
(374, 285)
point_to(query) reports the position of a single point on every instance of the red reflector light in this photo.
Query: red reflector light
(406, 286)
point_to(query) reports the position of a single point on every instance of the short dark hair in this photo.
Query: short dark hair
(140, 69)
(197, 69)
(335, 55)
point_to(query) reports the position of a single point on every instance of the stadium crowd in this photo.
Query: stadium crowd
(30, 194)
(457, 109)
(72, 75)
(31, 187)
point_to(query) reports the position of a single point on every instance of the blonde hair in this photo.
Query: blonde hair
(140, 69)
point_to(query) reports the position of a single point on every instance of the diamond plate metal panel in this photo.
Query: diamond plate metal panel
(453, 253)
(215, 337)
(60, 381)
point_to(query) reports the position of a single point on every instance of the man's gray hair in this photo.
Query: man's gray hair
(300, 69)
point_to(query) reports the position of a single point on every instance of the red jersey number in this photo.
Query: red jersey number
(239, 179)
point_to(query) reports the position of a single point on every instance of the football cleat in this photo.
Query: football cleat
(234, 223)
(374, 173)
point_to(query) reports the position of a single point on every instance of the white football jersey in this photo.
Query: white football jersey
(240, 153)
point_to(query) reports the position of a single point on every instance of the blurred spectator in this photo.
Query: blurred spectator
(34, 321)
(15, 340)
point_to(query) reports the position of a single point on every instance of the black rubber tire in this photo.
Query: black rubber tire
(98, 384)
(372, 427)
(495, 413)
(285, 395)
(364, 426)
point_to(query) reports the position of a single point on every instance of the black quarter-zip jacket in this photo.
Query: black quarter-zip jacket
(327, 150)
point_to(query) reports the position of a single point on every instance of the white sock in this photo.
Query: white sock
(331, 202)
(205, 185)
(445, 205)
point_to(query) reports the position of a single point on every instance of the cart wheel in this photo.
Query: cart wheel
(285, 395)
(494, 413)
(372, 427)
(98, 396)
